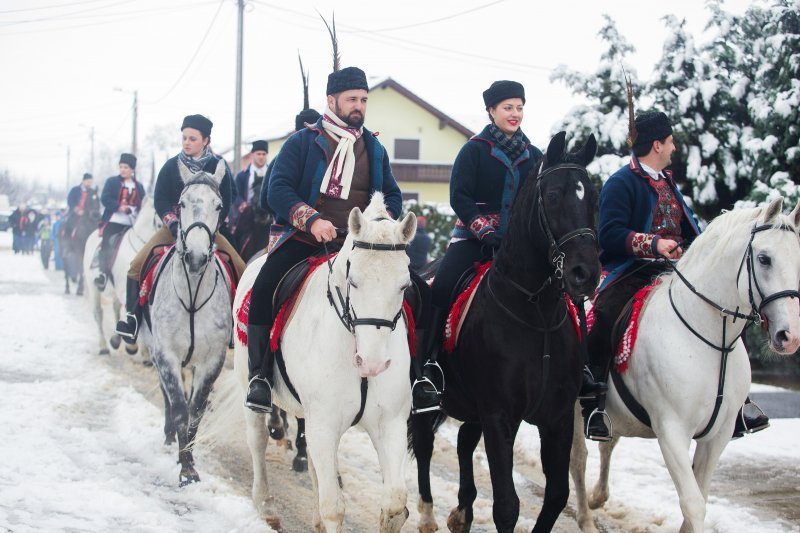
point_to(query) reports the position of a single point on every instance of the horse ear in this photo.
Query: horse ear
(186, 174)
(773, 209)
(355, 221)
(219, 173)
(588, 150)
(555, 150)
(408, 227)
(794, 216)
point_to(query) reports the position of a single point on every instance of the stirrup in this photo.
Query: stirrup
(428, 408)
(100, 281)
(604, 415)
(435, 364)
(760, 413)
(259, 408)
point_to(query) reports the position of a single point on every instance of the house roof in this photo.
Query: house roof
(444, 120)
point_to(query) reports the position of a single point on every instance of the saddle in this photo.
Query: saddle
(465, 292)
(626, 327)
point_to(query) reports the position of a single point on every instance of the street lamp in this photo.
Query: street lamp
(135, 114)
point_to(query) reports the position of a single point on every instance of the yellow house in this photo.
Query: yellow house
(422, 141)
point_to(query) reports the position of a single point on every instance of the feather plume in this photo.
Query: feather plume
(304, 75)
(334, 41)
(632, 133)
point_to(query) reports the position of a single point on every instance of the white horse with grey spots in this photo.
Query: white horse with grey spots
(190, 318)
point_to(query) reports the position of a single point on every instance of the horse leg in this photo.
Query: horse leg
(323, 444)
(555, 453)
(577, 467)
(600, 492)
(675, 449)
(706, 457)
(169, 426)
(276, 424)
(178, 413)
(460, 519)
(498, 437)
(98, 318)
(300, 463)
(421, 428)
(389, 439)
(66, 280)
(79, 290)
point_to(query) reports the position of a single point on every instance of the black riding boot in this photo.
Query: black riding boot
(260, 362)
(593, 408)
(426, 392)
(589, 387)
(128, 328)
(102, 278)
(749, 423)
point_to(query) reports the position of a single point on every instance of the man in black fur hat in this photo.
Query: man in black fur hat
(255, 171)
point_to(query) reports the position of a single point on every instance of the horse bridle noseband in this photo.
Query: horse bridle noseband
(347, 314)
(754, 316)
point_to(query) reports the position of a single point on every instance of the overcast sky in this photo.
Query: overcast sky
(61, 62)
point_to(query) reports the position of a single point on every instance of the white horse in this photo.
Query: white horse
(113, 296)
(190, 320)
(747, 262)
(327, 362)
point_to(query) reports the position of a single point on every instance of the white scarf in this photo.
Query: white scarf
(255, 171)
(339, 174)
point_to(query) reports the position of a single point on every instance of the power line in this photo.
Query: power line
(39, 8)
(65, 15)
(425, 23)
(197, 50)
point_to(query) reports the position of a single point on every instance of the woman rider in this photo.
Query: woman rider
(487, 174)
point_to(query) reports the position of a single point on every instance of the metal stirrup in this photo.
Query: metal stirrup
(604, 415)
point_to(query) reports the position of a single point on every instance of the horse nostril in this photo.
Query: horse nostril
(782, 336)
(580, 275)
(389, 362)
(359, 361)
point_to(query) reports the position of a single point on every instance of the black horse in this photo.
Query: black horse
(252, 228)
(72, 240)
(519, 356)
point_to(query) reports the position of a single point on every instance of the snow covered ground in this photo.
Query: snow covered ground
(81, 448)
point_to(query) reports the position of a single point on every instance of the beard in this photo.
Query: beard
(354, 120)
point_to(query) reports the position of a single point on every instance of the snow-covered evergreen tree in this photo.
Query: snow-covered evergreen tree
(606, 114)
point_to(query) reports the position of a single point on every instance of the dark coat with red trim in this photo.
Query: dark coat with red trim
(111, 196)
(485, 182)
(169, 187)
(297, 173)
(627, 205)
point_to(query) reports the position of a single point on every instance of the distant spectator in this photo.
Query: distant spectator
(17, 222)
(45, 241)
(419, 246)
(56, 242)
(29, 231)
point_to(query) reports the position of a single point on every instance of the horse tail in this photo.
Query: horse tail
(223, 422)
(421, 425)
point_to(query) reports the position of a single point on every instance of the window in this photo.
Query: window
(410, 196)
(406, 149)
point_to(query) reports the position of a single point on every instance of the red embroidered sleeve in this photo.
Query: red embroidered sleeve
(641, 244)
(301, 214)
(481, 225)
(169, 217)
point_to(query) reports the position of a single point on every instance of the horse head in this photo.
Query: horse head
(376, 275)
(772, 263)
(200, 206)
(561, 221)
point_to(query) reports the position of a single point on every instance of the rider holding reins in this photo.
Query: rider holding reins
(320, 174)
(197, 156)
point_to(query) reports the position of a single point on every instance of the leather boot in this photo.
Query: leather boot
(749, 423)
(260, 362)
(589, 387)
(426, 392)
(128, 328)
(594, 415)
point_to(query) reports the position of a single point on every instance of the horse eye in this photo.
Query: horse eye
(552, 197)
(181, 205)
(764, 259)
(405, 287)
(352, 283)
(219, 208)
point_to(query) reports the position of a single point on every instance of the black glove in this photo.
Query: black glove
(173, 228)
(492, 239)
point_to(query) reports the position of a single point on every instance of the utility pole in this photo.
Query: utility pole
(237, 129)
(135, 119)
(68, 169)
(91, 137)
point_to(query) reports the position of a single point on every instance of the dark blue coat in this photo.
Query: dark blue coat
(484, 183)
(627, 204)
(169, 187)
(74, 196)
(297, 174)
(110, 196)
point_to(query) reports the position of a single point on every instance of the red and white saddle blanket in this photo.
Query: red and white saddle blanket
(628, 340)
(460, 308)
(156, 266)
(286, 312)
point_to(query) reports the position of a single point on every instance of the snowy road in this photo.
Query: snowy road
(82, 449)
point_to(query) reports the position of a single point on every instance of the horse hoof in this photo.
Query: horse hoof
(188, 476)
(457, 521)
(147, 362)
(104, 351)
(115, 341)
(300, 464)
(274, 522)
(393, 522)
(276, 433)
(169, 440)
(131, 349)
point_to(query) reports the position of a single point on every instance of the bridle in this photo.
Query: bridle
(754, 316)
(192, 307)
(345, 310)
